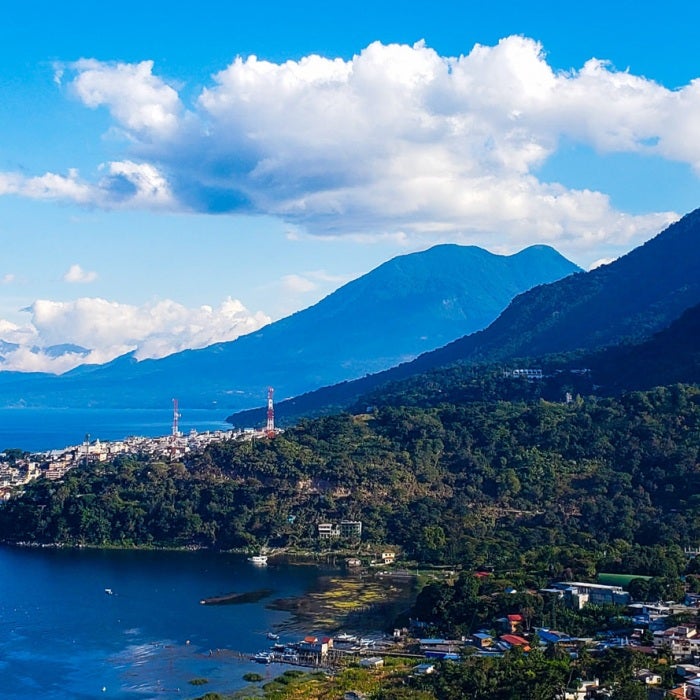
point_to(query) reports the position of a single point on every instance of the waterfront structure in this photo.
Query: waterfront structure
(345, 529)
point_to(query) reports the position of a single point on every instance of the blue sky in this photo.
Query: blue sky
(161, 189)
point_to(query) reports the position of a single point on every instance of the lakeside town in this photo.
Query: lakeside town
(663, 636)
(18, 468)
(666, 633)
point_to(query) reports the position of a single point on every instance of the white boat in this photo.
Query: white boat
(258, 559)
(109, 591)
(274, 637)
(262, 657)
(344, 637)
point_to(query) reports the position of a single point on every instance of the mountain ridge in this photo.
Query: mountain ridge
(624, 302)
(393, 313)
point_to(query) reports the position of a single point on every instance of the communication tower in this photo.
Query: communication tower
(176, 418)
(270, 428)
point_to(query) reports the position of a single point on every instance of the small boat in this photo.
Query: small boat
(344, 637)
(109, 591)
(260, 559)
(262, 657)
(274, 637)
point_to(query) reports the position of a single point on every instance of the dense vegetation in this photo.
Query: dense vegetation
(539, 486)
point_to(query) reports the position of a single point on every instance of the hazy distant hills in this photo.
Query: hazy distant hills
(409, 305)
(620, 304)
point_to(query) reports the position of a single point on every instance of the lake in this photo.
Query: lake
(64, 637)
(39, 429)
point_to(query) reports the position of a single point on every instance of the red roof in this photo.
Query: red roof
(515, 618)
(515, 640)
(310, 640)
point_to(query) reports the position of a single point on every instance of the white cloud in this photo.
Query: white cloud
(123, 184)
(141, 102)
(398, 141)
(297, 284)
(110, 329)
(600, 263)
(8, 278)
(76, 274)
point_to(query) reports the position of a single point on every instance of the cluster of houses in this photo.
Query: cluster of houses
(18, 470)
(680, 644)
(651, 632)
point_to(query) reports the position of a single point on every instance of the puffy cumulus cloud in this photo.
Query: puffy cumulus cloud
(141, 102)
(76, 274)
(107, 329)
(397, 141)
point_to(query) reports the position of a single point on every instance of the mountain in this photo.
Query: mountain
(670, 356)
(622, 303)
(408, 305)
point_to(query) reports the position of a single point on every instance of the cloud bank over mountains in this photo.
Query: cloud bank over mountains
(96, 331)
(397, 140)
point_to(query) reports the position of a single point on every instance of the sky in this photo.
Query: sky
(177, 174)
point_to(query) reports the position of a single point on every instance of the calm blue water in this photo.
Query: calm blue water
(62, 637)
(38, 429)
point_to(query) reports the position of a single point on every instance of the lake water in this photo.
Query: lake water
(39, 429)
(63, 637)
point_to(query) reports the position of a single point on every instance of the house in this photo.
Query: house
(312, 645)
(372, 662)
(351, 529)
(687, 670)
(648, 677)
(577, 594)
(514, 640)
(527, 373)
(388, 557)
(552, 636)
(347, 529)
(585, 690)
(482, 640)
(328, 530)
(682, 642)
(511, 623)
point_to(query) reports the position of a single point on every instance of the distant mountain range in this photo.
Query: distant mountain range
(409, 305)
(607, 316)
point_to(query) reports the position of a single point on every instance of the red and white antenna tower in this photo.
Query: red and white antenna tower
(176, 417)
(270, 428)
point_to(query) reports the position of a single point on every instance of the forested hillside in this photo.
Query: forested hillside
(512, 483)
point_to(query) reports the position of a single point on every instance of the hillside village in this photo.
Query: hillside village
(18, 468)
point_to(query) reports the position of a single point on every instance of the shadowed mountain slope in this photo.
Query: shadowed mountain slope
(622, 303)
